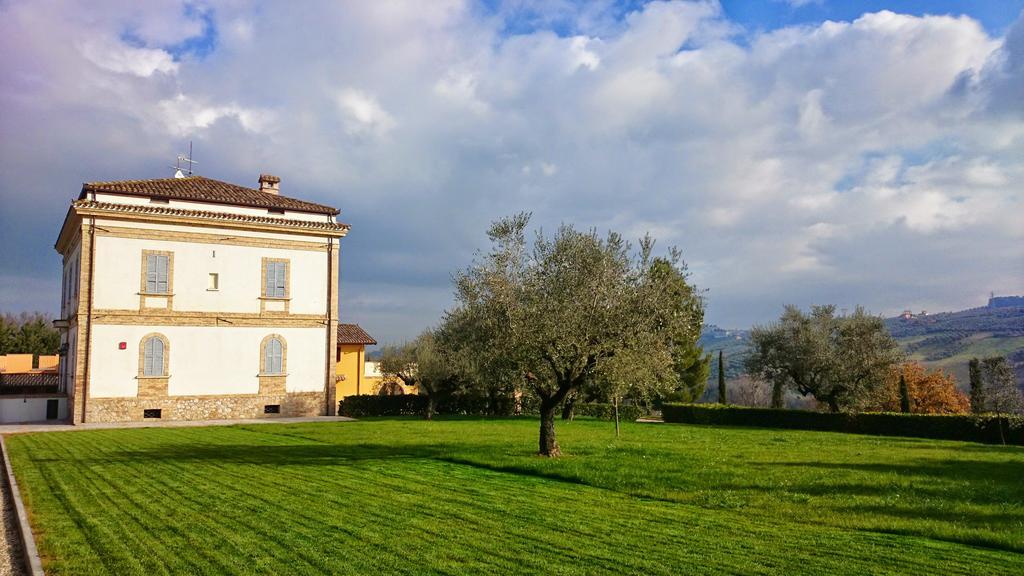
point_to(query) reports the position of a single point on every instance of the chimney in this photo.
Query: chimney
(270, 184)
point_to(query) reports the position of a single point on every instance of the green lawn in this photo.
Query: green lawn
(468, 496)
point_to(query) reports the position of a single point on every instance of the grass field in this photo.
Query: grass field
(469, 496)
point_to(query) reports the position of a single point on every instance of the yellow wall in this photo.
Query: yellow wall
(351, 359)
(373, 384)
(352, 365)
(21, 363)
(49, 362)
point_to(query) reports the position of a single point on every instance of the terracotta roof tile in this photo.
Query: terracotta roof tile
(202, 189)
(167, 211)
(353, 334)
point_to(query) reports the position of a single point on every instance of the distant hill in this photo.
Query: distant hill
(734, 343)
(950, 339)
(946, 340)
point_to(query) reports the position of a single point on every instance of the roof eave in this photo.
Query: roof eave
(63, 237)
(87, 187)
(122, 211)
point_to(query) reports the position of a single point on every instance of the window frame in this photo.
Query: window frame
(165, 356)
(273, 366)
(282, 271)
(145, 274)
(272, 383)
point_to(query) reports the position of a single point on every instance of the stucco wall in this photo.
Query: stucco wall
(118, 272)
(205, 360)
(29, 409)
(71, 282)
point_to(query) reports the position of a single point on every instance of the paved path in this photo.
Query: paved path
(64, 427)
(11, 562)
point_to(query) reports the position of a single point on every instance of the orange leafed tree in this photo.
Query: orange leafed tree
(931, 391)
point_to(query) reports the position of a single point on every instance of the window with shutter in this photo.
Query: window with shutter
(268, 289)
(282, 275)
(151, 273)
(275, 281)
(153, 361)
(158, 273)
(273, 357)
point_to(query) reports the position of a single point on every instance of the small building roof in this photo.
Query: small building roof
(354, 334)
(202, 189)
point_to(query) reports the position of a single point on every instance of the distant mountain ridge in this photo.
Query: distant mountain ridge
(946, 340)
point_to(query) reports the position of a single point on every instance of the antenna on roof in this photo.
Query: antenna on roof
(187, 160)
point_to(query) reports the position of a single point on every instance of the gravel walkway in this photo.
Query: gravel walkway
(56, 426)
(10, 543)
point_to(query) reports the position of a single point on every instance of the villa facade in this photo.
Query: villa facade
(188, 298)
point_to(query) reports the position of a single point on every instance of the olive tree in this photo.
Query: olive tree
(1002, 395)
(417, 363)
(567, 311)
(839, 360)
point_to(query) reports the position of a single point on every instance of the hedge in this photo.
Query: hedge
(607, 411)
(469, 405)
(377, 405)
(968, 428)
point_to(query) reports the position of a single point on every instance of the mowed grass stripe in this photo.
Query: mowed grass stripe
(820, 477)
(135, 520)
(371, 497)
(243, 511)
(134, 515)
(155, 480)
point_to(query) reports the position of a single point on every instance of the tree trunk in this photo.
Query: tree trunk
(722, 396)
(904, 396)
(430, 407)
(569, 407)
(548, 444)
(777, 395)
(999, 423)
(833, 404)
(616, 416)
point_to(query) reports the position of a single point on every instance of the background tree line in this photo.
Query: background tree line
(543, 323)
(547, 322)
(851, 363)
(28, 333)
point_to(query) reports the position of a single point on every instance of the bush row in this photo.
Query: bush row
(607, 411)
(939, 426)
(376, 405)
(469, 405)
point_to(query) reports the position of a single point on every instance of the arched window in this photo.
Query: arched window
(154, 355)
(273, 356)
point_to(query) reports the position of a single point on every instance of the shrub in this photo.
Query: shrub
(939, 426)
(910, 387)
(464, 404)
(607, 411)
(375, 405)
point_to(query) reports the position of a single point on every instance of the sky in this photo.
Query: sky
(801, 152)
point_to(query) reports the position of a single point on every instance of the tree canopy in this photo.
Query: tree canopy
(417, 363)
(928, 391)
(28, 333)
(839, 360)
(572, 310)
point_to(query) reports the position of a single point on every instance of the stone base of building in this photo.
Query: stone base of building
(232, 406)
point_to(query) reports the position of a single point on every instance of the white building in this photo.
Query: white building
(190, 298)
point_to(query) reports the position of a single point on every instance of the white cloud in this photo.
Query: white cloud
(119, 57)
(853, 162)
(581, 55)
(183, 115)
(362, 113)
(460, 89)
